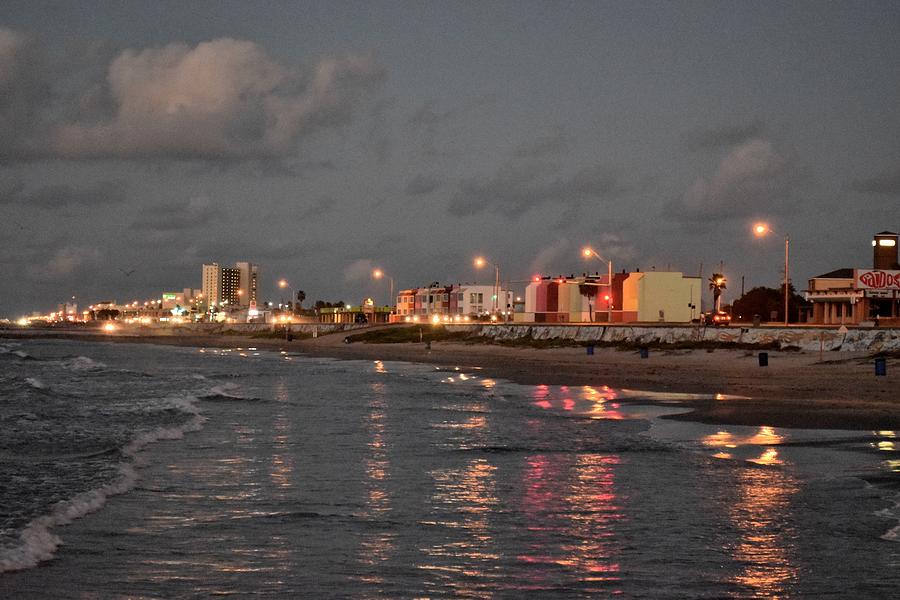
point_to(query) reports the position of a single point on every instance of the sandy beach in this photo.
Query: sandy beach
(796, 389)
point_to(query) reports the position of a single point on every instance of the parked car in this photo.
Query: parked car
(717, 318)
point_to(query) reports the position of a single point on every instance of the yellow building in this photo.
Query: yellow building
(657, 296)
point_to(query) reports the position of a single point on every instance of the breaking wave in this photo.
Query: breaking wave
(36, 383)
(38, 543)
(83, 363)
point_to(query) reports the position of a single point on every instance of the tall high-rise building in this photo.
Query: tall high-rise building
(249, 283)
(230, 286)
(212, 284)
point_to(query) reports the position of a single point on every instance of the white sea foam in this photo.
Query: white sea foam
(38, 543)
(36, 383)
(84, 363)
(21, 354)
(227, 390)
(893, 534)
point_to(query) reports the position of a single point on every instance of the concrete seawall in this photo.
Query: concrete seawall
(804, 338)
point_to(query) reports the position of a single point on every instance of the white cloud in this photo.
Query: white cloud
(750, 177)
(224, 98)
(66, 261)
(359, 270)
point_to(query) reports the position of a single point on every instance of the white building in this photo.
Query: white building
(230, 286)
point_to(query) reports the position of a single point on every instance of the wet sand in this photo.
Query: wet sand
(796, 389)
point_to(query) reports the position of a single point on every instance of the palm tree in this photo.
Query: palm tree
(717, 284)
(589, 290)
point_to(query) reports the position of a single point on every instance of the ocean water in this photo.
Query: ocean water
(140, 471)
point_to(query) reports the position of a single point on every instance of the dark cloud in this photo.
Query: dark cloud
(726, 136)
(553, 143)
(24, 93)
(520, 186)
(886, 183)
(62, 196)
(751, 178)
(378, 137)
(422, 185)
(317, 208)
(175, 216)
(429, 118)
(224, 251)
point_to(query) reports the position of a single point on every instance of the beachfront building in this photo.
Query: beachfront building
(230, 286)
(248, 284)
(651, 297)
(855, 296)
(660, 297)
(366, 312)
(452, 303)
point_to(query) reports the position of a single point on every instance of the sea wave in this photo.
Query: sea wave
(893, 534)
(84, 363)
(38, 543)
(36, 383)
(227, 392)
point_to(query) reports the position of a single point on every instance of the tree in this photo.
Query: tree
(589, 291)
(717, 284)
(107, 314)
(301, 296)
(764, 302)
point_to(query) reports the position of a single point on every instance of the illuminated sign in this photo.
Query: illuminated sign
(877, 280)
(169, 296)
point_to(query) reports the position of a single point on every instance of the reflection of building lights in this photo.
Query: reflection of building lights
(768, 457)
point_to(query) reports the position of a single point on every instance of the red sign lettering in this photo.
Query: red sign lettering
(879, 280)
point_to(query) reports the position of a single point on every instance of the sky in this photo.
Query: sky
(321, 140)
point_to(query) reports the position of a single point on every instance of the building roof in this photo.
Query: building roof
(887, 233)
(837, 274)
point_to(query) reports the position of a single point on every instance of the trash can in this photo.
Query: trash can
(645, 352)
(880, 367)
(756, 320)
(764, 359)
(290, 337)
(590, 350)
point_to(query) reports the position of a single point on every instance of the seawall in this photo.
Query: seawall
(804, 338)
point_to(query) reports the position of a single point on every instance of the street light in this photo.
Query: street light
(589, 252)
(379, 274)
(283, 283)
(481, 262)
(761, 229)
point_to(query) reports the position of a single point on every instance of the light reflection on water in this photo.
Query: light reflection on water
(390, 481)
(571, 512)
(462, 501)
(376, 547)
(761, 515)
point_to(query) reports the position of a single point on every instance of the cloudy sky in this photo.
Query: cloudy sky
(321, 140)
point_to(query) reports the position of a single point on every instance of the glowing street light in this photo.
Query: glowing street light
(480, 262)
(283, 283)
(379, 274)
(761, 229)
(589, 252)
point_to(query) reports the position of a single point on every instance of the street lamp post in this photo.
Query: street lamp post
(379, 274)
(589, 252)
(283, 283)
(761, 229)
(480, 262)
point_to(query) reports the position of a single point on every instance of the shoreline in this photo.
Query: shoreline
(795, 390)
